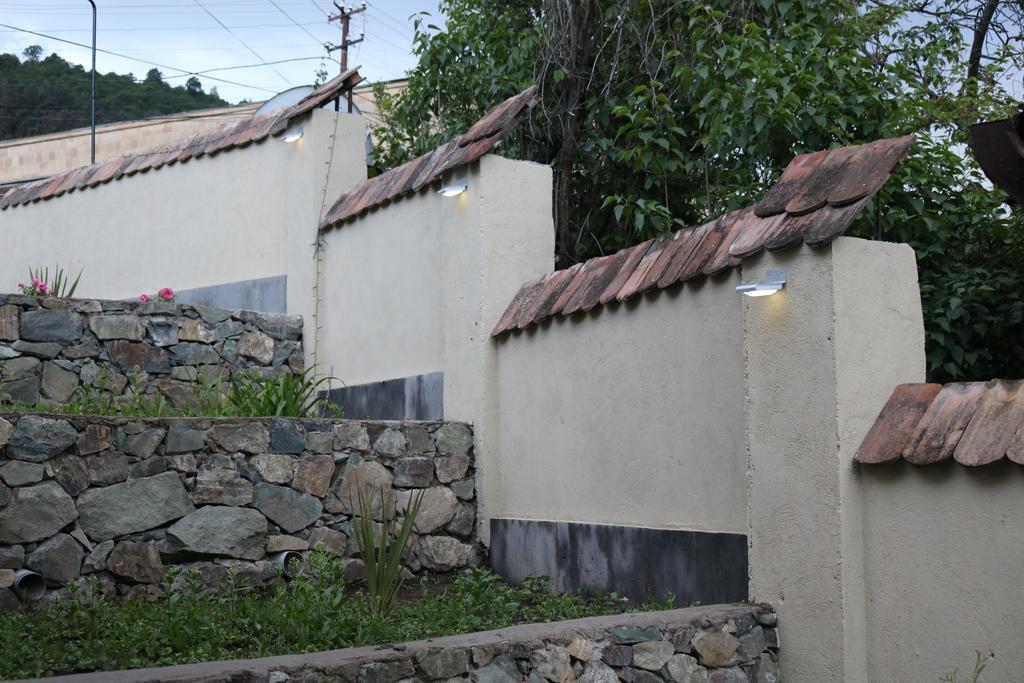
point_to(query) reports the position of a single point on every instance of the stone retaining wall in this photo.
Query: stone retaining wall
(715, 644)
(121, 497)
(50, 348)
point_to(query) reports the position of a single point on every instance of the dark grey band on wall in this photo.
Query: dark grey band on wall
(409, 398)
(636, 562)
(265, 294)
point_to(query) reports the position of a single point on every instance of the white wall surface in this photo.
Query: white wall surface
(631, 414)
(822, 356)
(416, 286)
(242, 214)
(943, 554)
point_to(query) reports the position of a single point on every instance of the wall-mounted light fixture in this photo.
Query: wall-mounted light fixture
(774, 280)
(294, 136)
(455, 188)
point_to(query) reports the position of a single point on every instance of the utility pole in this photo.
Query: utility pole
(93, 155)
(344, 17)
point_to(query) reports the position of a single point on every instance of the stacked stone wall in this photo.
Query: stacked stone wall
(53, 349)
(121, 498)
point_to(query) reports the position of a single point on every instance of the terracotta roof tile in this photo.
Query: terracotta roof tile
(220, 139)
(896, 423)
(815, 200)
(431, 167)
(994, 425)
(975, 423)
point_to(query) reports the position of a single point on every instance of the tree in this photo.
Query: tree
(32, 53)
(658, 114)
(154, 76)
(50, 95)
(193, 86)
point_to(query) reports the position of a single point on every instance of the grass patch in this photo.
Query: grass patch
(314, 612)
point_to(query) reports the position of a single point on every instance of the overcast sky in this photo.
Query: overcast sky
(186, 35)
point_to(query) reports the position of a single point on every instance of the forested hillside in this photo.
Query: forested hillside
(47, 95)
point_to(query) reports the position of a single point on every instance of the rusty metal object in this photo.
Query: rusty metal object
(999, 148)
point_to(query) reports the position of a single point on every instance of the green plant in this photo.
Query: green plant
(980, 662)
(60, 286)
(316, 611)
(287, 395)
(381, 547)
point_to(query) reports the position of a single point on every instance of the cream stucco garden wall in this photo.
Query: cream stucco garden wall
(943, 554)
(414, 287)
(240, 215)
(632, 414)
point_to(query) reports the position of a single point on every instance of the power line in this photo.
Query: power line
(162, 28)
(185, 72)
(225, 27)
(304, 29)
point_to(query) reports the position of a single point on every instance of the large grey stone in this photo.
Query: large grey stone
(553, 663)
(685, 669)
(351, 435)
(219, 486)
(414, 472)
(618, 655)
(190, 353)
(286, 436)
(23, 391)
(133, 506)
(451, 468)
(627, 635)
(386, 672)
(767, 670)
(51, 326)
(184, 440)
(6, 352)
(162, 331)
(245, 438)
(96, 560)
(258, 346)
(18, 473)
(58, 560)
(437, 509)
(6, 429)
(226, 531)
(598, 672)
(5, 495)
(117, 327)
(502, 669)
(229, 329)
(19, 368)
(443, 662)
(444, 553)
(752, 644)
(107, 468)
(454, 438)
(313, 475)
(277, 325)
(331, 540)
(212, 314)
(733, 674)
(138, 562)
(363, 479)
(418, 440)
(464, 521)
(144, 444)
(44, 350)
(37, 439)
(128, 355)
(273, 467)
(70, 472)
(195, 331)
(10, 317)
(715, 648)
(390, 442)
(94, 439)
(12, 556)
(652, 655)
(290, 509)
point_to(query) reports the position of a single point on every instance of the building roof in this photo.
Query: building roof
(223, 138)
(424, 170)
(975, 423)
(815, 200)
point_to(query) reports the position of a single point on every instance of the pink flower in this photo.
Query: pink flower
(166, 294)
(144, 298)
(44, 288)
(21, 285)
